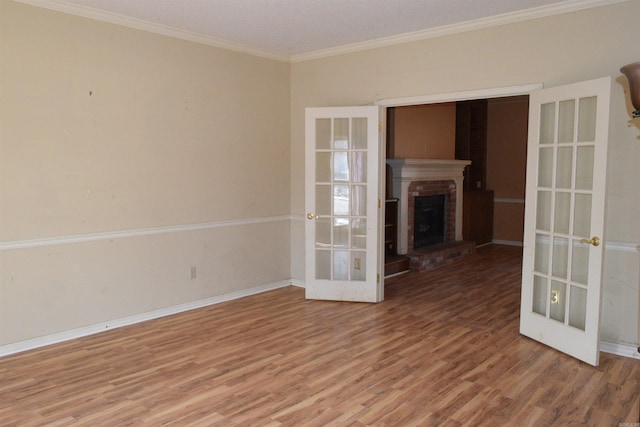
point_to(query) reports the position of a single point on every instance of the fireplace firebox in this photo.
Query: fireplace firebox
(429, 220)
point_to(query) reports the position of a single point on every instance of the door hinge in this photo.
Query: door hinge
(379, 126)
(379, 204)
(378, 278)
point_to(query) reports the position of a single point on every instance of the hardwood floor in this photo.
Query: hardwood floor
(443, 349)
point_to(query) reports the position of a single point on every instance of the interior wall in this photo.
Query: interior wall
(507, 125)
(553, 50)
(425, 131)
(126, 159)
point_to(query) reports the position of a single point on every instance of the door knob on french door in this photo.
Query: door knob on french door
(595, 241)
(311, 216)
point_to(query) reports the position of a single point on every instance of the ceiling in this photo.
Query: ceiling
(290, 28)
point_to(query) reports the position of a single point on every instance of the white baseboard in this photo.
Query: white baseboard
(59, 337)
(298, 283)
(506, 242)
(18, 347)
(620, 349)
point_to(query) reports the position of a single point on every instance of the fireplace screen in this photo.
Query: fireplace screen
(428, 220)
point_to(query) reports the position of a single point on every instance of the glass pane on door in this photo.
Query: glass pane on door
(580, 263)
(543, 211)
(323, 265)
(562, 213)
(564, 167)
(323, 233)
(545, 167)
(540, 295)
(323, 134)
(341, 198)
(547, 123)
(582, 215)
(340, 133)
(587, 119)
(359, 233)
(584, 168)
(563, 209)
(323, 167)
(541, 257)
(359, 134)
(560, 257)
(566, 120)
(578, 307)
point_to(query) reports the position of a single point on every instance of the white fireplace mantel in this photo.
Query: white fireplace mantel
(406, 171)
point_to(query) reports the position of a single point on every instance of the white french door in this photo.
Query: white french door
(343, 249)
(564, 217)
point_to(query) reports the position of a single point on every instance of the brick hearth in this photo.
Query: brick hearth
(431, 256)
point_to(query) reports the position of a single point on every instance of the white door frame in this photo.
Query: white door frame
(498, 92)
(437, 98)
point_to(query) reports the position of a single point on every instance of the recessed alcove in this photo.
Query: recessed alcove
(413, 178)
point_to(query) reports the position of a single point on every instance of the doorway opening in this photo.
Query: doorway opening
(489, 128)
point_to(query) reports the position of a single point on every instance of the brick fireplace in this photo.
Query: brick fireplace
(424, 177)
(420, 177)
(445, 188)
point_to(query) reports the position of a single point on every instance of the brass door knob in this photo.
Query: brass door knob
(310, 216)
(595, 241)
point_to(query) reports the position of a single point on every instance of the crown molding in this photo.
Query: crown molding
(445, 30)
(139, 24)
(476, 24)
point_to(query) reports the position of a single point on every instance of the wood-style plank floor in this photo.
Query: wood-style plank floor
(443, 349)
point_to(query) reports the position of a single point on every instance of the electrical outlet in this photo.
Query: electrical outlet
(193, 272)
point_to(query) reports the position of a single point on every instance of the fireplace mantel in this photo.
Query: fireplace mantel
(427, 169)
(406, 171)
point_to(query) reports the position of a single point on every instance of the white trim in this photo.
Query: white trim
(496, 92)
(400, 273)
(151, 27)
(80, 238)
(84, 331)
(501, 200)
(620, 349)
(476, 24)
(506, 242)
(445, 30)
(299, 283)
(632, 247)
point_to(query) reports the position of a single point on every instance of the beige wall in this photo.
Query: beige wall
(179, 152)
(553, 50)
(506, 164)
(425, 131)
(127, 157)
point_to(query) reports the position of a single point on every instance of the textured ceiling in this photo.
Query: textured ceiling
(294, 27)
